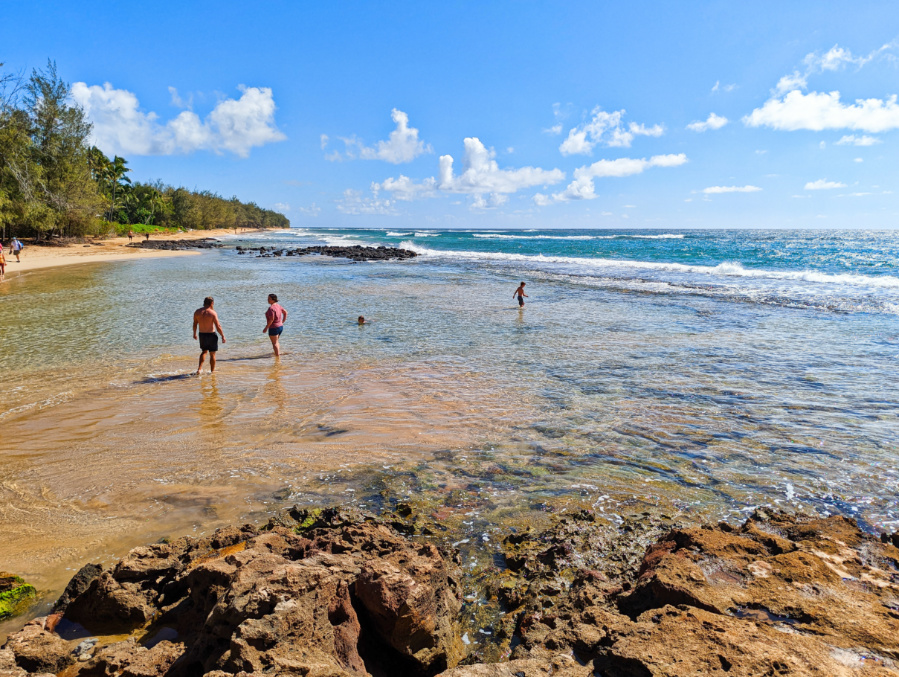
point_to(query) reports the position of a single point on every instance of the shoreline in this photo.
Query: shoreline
(40, 257)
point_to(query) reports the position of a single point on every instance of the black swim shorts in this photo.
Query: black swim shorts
(521, 300)
(209, 341)
(275, 331)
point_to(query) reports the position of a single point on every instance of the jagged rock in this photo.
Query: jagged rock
(78, 585)
(355, 253)
(557, 666)
(781, 595)
(37, 649)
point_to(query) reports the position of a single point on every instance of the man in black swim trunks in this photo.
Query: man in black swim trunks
(207, 320)
(521, 295)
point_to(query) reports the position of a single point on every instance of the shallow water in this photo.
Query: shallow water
(701, 392)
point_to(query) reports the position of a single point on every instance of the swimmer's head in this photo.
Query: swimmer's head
(522, 284)
(361, 320)
(207, 302)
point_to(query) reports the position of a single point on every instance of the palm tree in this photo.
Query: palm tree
(117, 178)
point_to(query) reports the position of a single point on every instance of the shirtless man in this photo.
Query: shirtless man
(207, 320)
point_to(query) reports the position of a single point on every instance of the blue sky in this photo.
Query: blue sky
(494, 114)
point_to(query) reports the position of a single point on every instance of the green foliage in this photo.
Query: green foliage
(53, 182)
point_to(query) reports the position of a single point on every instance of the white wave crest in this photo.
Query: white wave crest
(728, 269)
(393, 233)
(419, 233)
(497, 236)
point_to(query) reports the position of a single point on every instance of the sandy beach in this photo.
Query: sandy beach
(36, 257)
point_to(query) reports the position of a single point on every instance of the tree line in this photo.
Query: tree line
(53, 182)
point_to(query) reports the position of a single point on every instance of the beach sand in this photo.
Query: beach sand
(36, 257)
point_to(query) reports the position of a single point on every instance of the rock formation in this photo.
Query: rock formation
(331, 593)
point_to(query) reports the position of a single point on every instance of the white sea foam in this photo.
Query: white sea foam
(728, 269)
(497, 236)
(393, 233)
(419, 233)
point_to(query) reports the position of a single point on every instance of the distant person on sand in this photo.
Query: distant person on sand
(207, 321)
(520, 294)
(274, 322)
(147, 235)
(2, 264)
(17, 248)
(130, 236)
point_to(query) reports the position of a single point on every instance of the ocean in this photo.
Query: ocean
(697, 373)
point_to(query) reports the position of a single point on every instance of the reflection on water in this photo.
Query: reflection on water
(607, 397)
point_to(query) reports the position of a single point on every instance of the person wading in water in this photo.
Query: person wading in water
(207, 321)
(274, 322)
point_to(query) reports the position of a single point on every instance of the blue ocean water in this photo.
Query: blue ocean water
(850, 271)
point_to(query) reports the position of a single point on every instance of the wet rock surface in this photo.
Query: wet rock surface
(178, 245)
(356, 253)
(15, 595)
(343, 593)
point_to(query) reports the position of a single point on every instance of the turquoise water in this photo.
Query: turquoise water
(702, 372)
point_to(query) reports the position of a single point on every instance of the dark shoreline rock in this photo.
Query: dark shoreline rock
(356, 253)
(343, 593)
(178, 245)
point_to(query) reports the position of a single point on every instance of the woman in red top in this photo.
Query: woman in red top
(274, 322)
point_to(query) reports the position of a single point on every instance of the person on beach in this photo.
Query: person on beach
(17, 248)
(520, 294)
(130, 236)
(274, 322)
(147, 235)
(207, 321)
(2, 264)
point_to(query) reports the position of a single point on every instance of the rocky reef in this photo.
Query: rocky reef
(341, 593)
(354, 253)
(178, 245)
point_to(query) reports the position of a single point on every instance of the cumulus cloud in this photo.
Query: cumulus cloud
(481, 177)
(605, 129)
(282, 207)
(818, 111)
(312, 210)
(852, 140)
(121, 127)
(353, 202)
(823, 184)
(716, 190)
(403, 144)
(789, 108)
(713, 122)
(583, 186)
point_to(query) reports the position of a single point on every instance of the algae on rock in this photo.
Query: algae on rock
(15, 595)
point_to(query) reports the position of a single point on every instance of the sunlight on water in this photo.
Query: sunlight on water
(673, 390)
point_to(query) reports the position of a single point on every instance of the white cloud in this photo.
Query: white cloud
(282, 207)
(858, 159)
(606, 129)
(555, 129)
(121, 128)
(713, 122)
(179, 102)
(324, 141)
(403, 144)
(852, 140)
(353, 202)
(823, 184)
(717, 190)
(583, 187)
(726, 88)
(312, 210)
(480, 177)
(818, 111)
(789, 109)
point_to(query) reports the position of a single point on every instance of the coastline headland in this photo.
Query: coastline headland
(346, 593)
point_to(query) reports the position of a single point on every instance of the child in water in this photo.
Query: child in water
(520, 294)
